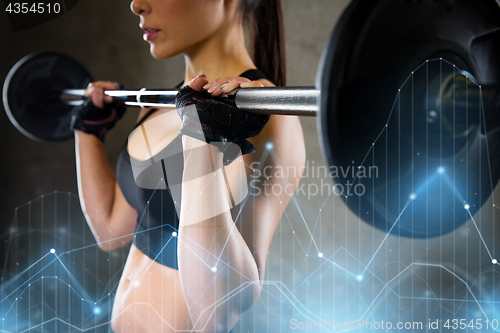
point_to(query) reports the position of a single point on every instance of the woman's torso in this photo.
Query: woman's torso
(150, 286)
(149, 296)
(153, 153)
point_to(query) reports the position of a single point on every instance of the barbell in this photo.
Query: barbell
(407, 99)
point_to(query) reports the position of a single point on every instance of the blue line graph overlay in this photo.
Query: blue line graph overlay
(374, 276)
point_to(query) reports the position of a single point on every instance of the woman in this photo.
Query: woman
(222, 246)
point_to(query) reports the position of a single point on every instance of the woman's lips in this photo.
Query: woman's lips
(149, 33)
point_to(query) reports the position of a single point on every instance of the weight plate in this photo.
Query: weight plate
(31, 94)
(434, 160)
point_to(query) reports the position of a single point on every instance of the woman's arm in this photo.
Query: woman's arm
(111, 219)
(222, 267)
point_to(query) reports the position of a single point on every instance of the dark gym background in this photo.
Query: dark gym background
(105, 37)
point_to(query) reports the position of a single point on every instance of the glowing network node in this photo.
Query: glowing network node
(359, 277)
(441, 170)
(137, 283)
(320, 254)
(52, 250)
(269, 145)
(466, 206)
(413, 196)
(494, 261)
(97, 310)
(174, 234)
(214, 269)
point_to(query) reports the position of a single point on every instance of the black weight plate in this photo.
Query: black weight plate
(429, 161)
(31, 94)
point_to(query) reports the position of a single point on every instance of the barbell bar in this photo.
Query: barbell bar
(293, 101)
(384, 103)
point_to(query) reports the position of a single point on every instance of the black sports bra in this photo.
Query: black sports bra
(158, 222)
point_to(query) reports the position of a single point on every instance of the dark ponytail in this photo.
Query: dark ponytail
(264, 20)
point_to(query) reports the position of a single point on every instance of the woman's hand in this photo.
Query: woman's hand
(99, 112)
(208, 117)
(222, 86)
(95, 91)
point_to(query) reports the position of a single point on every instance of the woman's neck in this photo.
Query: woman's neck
(224, 54)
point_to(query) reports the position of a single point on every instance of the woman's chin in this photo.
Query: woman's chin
(160, 53)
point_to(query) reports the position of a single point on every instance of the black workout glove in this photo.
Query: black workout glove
(90, 119)
(216, 120)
